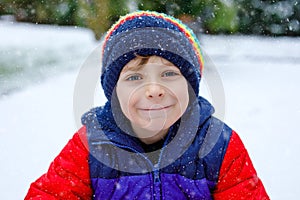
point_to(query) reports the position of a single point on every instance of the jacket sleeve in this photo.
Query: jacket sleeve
(238, 178)
(68, 175)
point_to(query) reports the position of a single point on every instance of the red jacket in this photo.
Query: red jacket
(68, 175)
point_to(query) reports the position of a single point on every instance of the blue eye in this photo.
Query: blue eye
(170, 73)
(134, 78)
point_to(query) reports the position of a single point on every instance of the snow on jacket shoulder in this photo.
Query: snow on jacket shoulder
(68, 175)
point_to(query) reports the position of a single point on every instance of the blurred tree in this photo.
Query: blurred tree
(5, 8)
(157, 5)
(99, 15)
(269, 17)
(219, 16)
(214, 16)
(266, 17)
(46, 12)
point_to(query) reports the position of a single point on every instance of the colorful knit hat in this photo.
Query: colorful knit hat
(148, 33)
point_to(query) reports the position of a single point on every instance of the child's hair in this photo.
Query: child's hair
(146, 33)
(140, 61)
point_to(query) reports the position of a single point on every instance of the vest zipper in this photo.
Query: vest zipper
(155, 168)
(156, 177)
(156, 183)
(156, 174)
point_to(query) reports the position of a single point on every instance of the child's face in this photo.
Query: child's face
(152, 96)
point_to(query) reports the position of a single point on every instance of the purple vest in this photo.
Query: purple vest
(187, 166)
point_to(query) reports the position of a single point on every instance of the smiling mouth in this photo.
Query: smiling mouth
(155, 109)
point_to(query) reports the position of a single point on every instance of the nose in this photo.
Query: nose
(154, 91)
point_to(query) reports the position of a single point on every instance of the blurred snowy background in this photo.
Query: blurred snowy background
(39, 65)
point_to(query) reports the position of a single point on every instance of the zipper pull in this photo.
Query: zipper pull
(156, 176)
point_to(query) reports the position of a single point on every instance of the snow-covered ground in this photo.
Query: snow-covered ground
(261, 83)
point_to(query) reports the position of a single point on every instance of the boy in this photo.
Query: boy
(155, 138)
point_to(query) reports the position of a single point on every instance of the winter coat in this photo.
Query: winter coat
(200, 159)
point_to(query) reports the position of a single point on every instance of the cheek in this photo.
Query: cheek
(127, 99)
(183, 101)
(181, 94)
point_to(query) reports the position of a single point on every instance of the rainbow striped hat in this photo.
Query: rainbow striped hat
(147, 33)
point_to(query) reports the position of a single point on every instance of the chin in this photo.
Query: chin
(157, 125)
